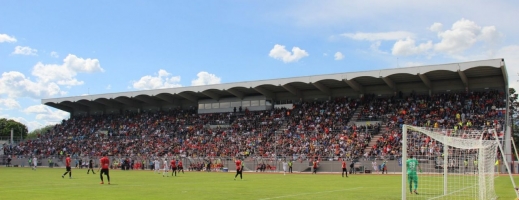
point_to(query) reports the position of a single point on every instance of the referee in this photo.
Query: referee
(91, 166)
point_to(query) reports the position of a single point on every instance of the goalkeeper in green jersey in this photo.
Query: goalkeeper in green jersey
(412, 164)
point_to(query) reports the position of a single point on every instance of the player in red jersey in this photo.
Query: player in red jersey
(180, 167)
(67, 165)
(344, 171)
(173, 167)
(105, 164)
(239, 168)
(314, 166)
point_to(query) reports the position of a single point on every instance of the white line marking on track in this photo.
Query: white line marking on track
(293, 195)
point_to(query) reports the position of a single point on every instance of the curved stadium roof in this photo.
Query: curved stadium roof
(474, 75)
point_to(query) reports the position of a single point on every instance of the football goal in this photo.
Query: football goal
(449, 164)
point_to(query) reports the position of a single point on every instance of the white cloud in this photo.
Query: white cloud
(48, 78)
(9, 103)
(43, 113)
(490, 35)
(205, 78)
(53, 117)
(14, 84)
(375, 46)
(65, 74)
(408, 47)
(279, 52)
(82, 65)
(32, 125)
(395, 35)
(58, 74)
(162, 80)
(54, 54)
(463, 35)
(36, 109)
(28, 51)
(47, 114)
(376, 38)
(338, 56)
(108, 87)
(387, 14)
(7, 38)
(436, 27)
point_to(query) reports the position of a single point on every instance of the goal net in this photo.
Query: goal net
(449, 164)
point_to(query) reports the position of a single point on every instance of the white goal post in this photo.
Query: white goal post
(453, 164)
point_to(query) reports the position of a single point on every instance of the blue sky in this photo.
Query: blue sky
(54, 49)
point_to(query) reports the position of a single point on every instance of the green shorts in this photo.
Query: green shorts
(412, 177)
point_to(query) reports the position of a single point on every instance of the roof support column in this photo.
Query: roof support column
(390, 83)
(236, 93)
(293, 90)
(464, 78)
(188, 97)
(266, 93)
(323, 88)
(426, 81)
(356, 86)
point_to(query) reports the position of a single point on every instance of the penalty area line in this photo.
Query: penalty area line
(299, 194)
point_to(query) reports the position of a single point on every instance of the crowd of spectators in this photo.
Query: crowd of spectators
(463, 113)
(309, 130)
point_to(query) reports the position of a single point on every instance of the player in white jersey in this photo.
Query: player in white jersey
(157, 166)
(285, 167)
(35, 162)
(374, 165)
(166, 167)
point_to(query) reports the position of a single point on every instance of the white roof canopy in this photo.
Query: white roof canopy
(475, 75)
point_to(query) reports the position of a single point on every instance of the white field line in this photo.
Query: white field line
(452, 192)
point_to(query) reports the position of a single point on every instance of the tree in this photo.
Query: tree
(514, 110)
(44, 130)
(5, 129)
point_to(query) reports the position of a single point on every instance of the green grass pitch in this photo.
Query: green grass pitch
(46, 183)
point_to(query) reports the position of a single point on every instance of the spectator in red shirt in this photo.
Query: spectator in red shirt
(105, 164)
(239, 169)
(67, 165)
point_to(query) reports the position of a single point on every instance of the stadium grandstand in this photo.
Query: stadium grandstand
(269, 94)
(354, 115)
